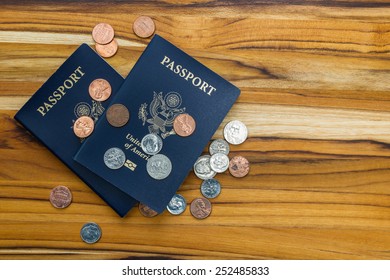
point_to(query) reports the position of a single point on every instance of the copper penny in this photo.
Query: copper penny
(103, 33)
(184, 125)
(239, 166)
(144, 27)
(60, 197)
(107, 50)
(146, 210)
(200, 208)
(117, 115)
(83, 126)
(100, 90)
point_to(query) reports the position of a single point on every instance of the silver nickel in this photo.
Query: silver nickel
(90, 233)
(219, 162)
(219, 146)
(114, 158)
(202, 168)
(151, 144)
(210, 188)
(235, 132)
(159, 167)
(177, 205)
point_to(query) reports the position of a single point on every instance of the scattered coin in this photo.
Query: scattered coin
(83, 126)
(117, 115)
(114, 158)
(219, 146)
(107, 50)
(210, 188)
(60, 197)
(151, 144)
(90, 233)
(146, 211)
(200, 208)
(103, 33)
(184, 125)
(219, 162)
(239, 166)
(159, 166)
(144, 27)
(177, 205)
(100, 90)
(202, 168)
(235, 132)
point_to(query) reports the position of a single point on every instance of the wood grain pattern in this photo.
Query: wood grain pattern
(315, 96)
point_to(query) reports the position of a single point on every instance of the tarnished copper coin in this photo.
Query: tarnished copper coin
(103, 33)
(146, 210)
(60, 197)
(200, 208)
(239, 166)
(117, 115)
(144, 27)
(184, 125)
(83, 126)
(100, 90)
(107, 50)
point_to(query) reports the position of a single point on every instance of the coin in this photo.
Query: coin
(184, 125)
(83, 126)
(210, 188)
(107, 50)
(177, 205)
(200, 208)
(159, 167)
(239, 166)
(103, 33)
(117, 115)
(202, 168)
(219, 146)
(90, 233)
(219, 162)
(235, 132)
(151, 144)
(60, 197)
(144, 27)
(114, 158)
(146, 211)
(99, 90)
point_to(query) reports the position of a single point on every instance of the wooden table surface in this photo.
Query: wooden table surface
(315, 95)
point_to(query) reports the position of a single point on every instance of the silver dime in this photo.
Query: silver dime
(159, 167)
(202, 168)
(90, 233)
(219, 146)
(219, 162)
(210, 188)
(114, 158)
(177, 205)
(151, 144)
(235, 132)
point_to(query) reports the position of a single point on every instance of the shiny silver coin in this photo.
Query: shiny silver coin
(90, 233)
(210, 188)
(151, 144)
(219, 146)
(159, 167)
(219, 162)
(114, 158)
(177, 205)
(202, 168)
(235, 132)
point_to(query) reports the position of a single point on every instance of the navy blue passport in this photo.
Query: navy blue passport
(164, 82)
(49, 115)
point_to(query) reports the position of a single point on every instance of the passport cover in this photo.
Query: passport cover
(49, 115)
(164, 82)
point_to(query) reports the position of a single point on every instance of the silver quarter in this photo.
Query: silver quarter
(219, 162)
(177, 205)
(151, 144)
(219, 146)
(202, 168)
(235, 132)
(90, 233)
(114, 158)
(159, 167)
(210, 188)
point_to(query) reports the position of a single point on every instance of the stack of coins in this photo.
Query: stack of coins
(105, 44)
